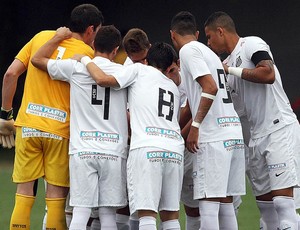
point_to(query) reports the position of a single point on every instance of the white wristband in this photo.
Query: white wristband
(236, 71)
(207, 95)
(85, 60)
(196, 124)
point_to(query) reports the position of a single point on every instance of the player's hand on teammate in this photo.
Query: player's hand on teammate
(225, 68)
(7, 131)
(63, 33)
(78, 57)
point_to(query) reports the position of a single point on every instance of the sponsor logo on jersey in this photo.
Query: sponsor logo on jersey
(279, 166)
(155, 131)
(29, 132)
(168, 157)
(99, 136)
(228, 121)
(47, 112)
(233, 144)
(96, 155)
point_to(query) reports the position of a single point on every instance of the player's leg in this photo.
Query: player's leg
(236, 184)
(122, 218)
(27, 168)
(112, 190)
(147, 219)
(24, 201)
(144, 198)
(172, 174)
(56, 161)
(192, 217)
(95, 225)
(191, 206)
(273, 161)
(134, 221)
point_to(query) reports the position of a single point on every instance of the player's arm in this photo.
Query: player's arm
(98, 75)
(42, 56)
(10, 81)
(209, 91)
(262, 73)
(9, 86)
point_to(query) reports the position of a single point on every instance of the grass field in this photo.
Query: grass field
(247, 218)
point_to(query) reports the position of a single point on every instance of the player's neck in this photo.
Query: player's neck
(104, 55)
(77, 36)
(232, 41)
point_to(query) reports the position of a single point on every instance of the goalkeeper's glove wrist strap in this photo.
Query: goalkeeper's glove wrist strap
(7, 114)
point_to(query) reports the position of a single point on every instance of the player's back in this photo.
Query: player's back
(154, 106)
(221, 121)
(45, 103)
(98, 114)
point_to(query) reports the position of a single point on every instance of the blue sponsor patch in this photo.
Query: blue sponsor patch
(228, 121)
(155, 131)
(47, 112)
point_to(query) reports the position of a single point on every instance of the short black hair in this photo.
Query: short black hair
(220, 19)
(83, 16)
(161, 55)
(107, 39)
(184, 23)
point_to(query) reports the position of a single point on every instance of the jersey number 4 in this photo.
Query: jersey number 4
(104, 102)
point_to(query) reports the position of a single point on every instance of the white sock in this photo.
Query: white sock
(122, 222)
(134, 222)
(209, 214)
(96, 225)
(147, 223)
(286, 211)
(298, 220)
(68, 219)
(192, 223)
(227, 217)
(80, 218)
(171, 224)
(107, 218)
(262, 225)
(268, 214)
(44, 221)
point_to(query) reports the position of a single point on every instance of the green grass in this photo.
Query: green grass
(247, 218)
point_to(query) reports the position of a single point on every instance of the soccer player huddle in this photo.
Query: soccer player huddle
(118, 145)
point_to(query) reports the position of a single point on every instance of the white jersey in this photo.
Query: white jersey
(221, 121)
(154, 106)
(127, 61)
(98, 115)
(266, 105)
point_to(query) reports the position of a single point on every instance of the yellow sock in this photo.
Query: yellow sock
(56, 217)
(20, 218)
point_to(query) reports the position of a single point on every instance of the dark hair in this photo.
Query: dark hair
(220, 19)
(135, 40)
(184, 23)
(83, 16)
(107, 39)
(161, 55)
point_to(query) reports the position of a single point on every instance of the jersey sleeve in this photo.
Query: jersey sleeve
(61, 69)
(127, 75)
(24, 54)
(193, 59)
(255, 44)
